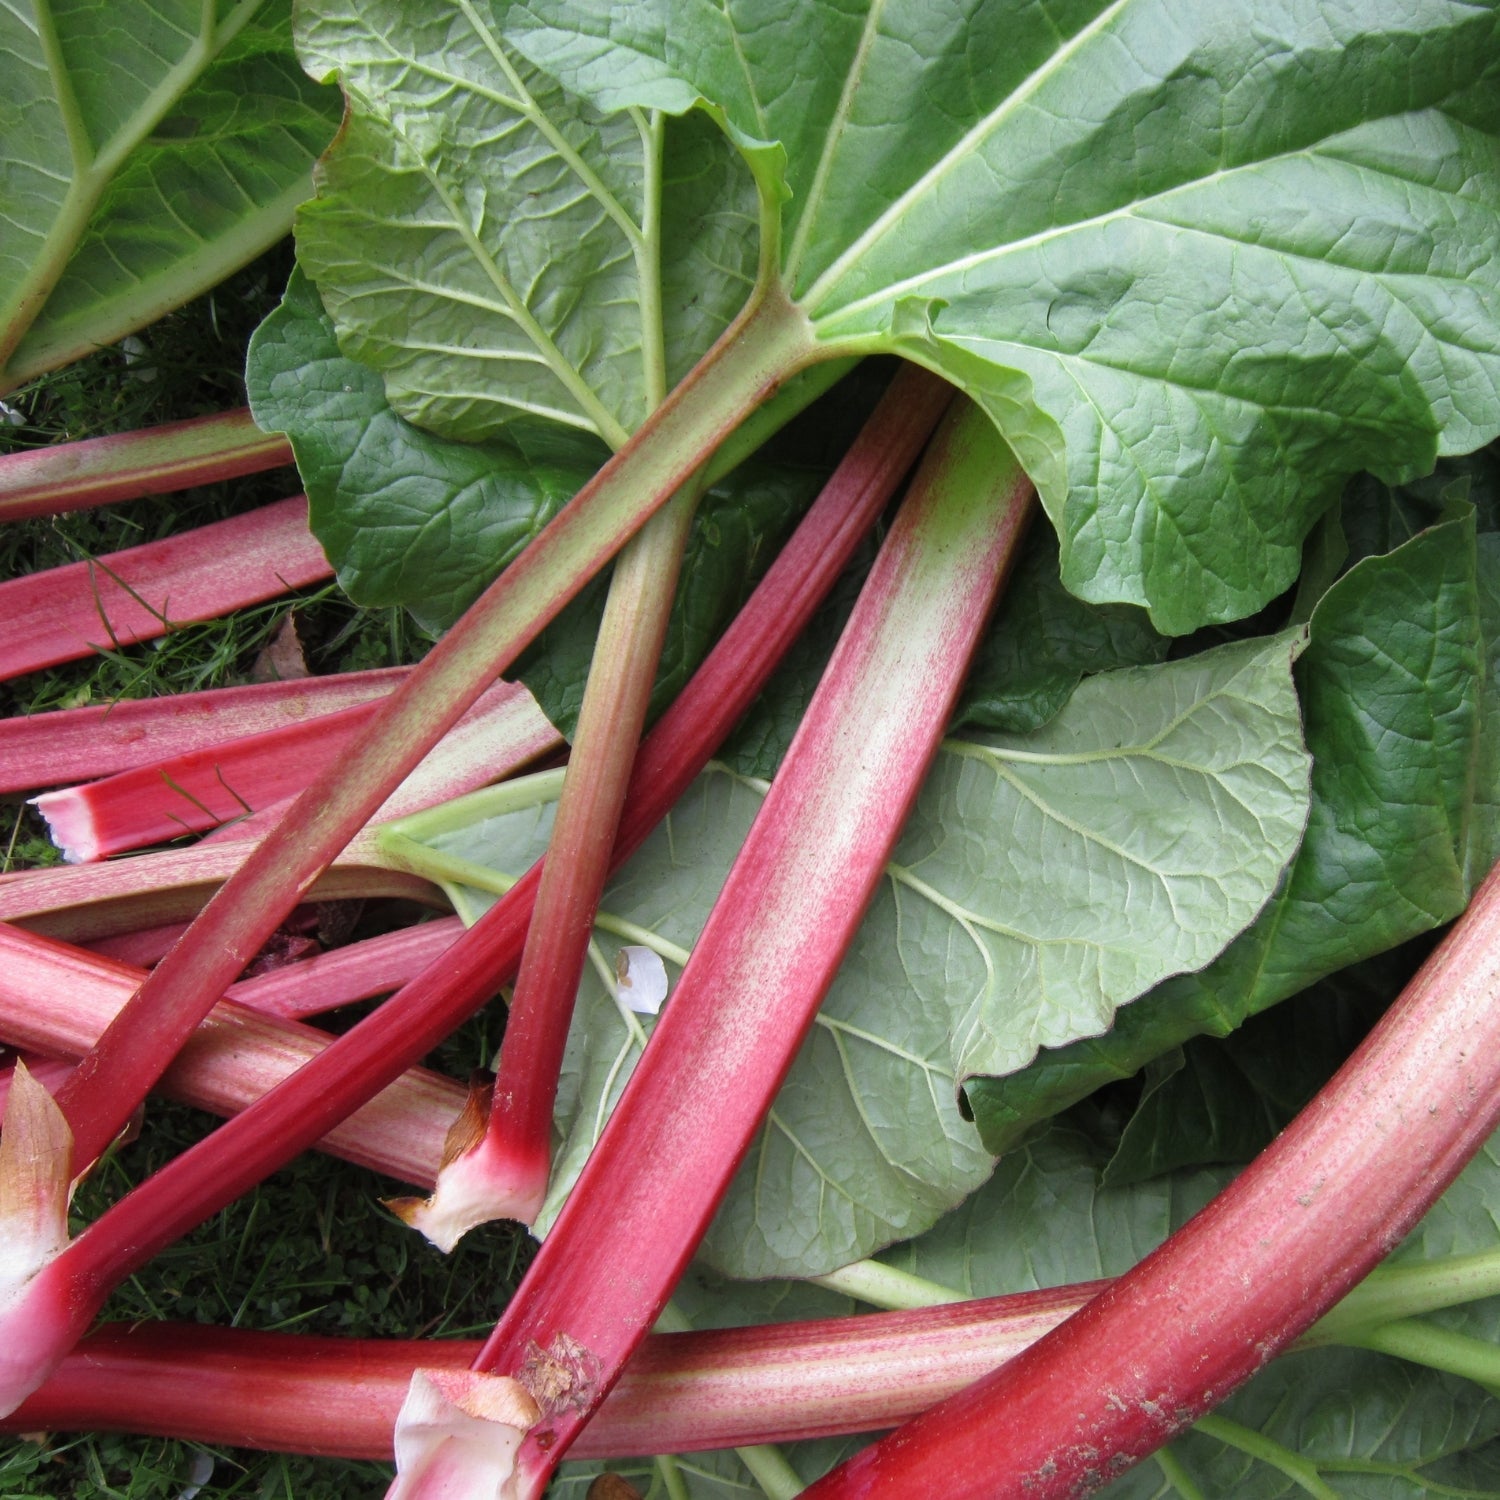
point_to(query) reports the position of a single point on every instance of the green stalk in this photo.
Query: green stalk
(504, 1174)
(1394, 1293)
(154, 461)
(1425, 1343)
(768, 342)
(1256, 1445)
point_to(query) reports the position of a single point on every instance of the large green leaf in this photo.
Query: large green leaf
(151, 148)
(1188, 778)
(1400, 717)
(506, 256)
(1119, 842)
(1198, 265)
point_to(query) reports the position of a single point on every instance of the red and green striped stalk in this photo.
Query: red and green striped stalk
(154, 461)
(788, 910)
(504, 1174)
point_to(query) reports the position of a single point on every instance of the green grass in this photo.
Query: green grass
(312, 1249)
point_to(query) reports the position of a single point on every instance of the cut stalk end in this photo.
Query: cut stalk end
(482, 1178)
(36, 1152)
(70, 824)
(457, 1436)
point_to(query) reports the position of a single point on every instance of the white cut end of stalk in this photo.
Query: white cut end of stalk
(457, 1436)
(36, 1156)
(640, 980)
(479, 1180)
(70, 824)
(471, 1190)
(36, 1162)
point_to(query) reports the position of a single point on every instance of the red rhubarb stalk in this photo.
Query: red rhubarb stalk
(76, 744)
(358, 971)
(222, 783)
(680, 1392)
(71, 612)
(768, 342)
(154, 461)
(766, 957)
(504, 1175)
(364, 1059)
(1311, 1216)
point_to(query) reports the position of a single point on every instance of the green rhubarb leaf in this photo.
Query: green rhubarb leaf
(151, 148)
(1400, 715)
(507, 257)
(1217, 1100)
(1162, 800)
(1198, 266)
(1187, 779)
(405, 517)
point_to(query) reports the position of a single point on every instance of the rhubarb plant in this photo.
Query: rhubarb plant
(1194, 270)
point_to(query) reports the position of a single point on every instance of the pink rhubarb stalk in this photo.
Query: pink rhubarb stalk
(154, 461)
(504, 1175)
(766, 957)
(364, 1059)
(82, 903)
(57, 999)
(75, 744)
(358, 971)
(67, 613)
(680, 1392)
(1311, 1216)
(222, 783)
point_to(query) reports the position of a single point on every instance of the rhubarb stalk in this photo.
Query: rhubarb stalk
(680, 1392)
(154, 461)
(222, 783)
(769, 341)
(768, 953)
(504, 1175)
(144, 592)
(1311, 1216)
(75, 744)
